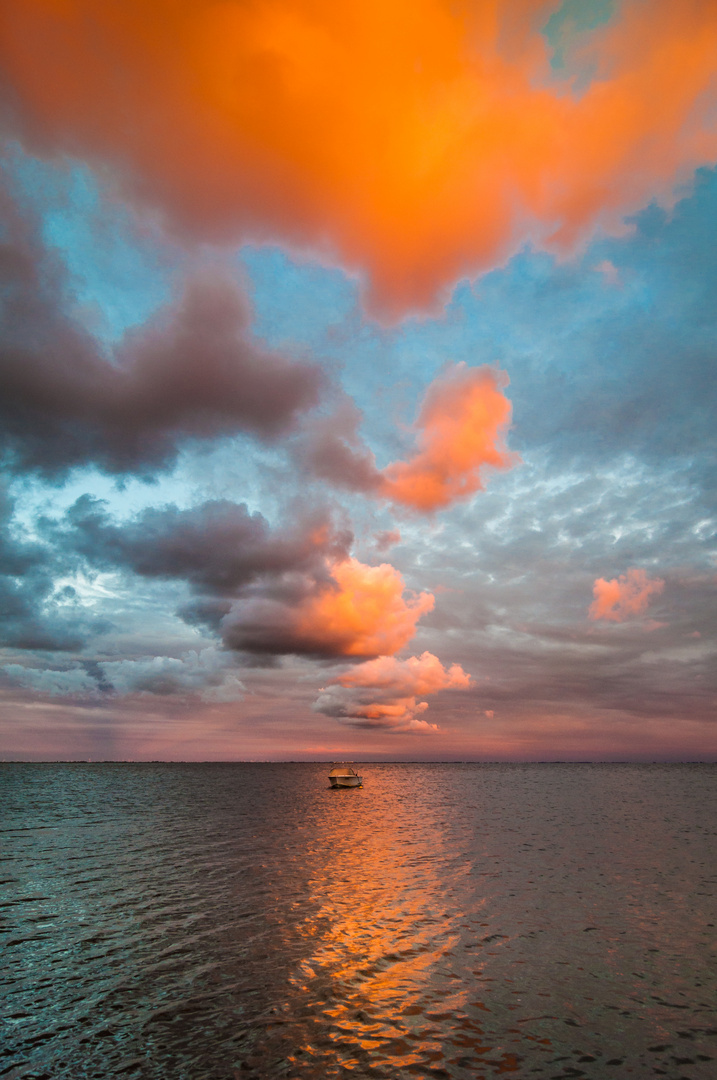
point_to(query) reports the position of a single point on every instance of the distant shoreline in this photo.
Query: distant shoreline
(362, 761)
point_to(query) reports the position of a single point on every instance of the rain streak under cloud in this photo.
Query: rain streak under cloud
(357, 379)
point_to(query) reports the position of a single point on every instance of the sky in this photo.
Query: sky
(357, 380)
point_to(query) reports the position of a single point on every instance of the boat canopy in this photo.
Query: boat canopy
(342, 770)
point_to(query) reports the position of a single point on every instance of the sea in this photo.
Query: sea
(238, 921)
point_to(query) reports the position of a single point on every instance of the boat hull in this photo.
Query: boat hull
(345, 781)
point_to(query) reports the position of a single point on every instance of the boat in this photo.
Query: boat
(342, 775)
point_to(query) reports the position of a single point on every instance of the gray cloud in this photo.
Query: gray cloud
(71, 681)
(248, 579)
(332, 449)
(191, 373)
(34, 614)
(208, 672)
(219, 547)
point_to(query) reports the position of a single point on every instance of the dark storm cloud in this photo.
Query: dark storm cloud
(190, 373)
(219, 547)
(266, 592)
(265, 627)
(252, 582)
(249, 580)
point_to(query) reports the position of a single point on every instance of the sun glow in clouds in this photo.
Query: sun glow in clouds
(418, 140)
(363, 613)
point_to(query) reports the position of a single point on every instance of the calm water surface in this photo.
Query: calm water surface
(461, 921)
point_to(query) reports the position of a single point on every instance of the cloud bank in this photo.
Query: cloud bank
(209, 675)
(291, 590)
(416, 141)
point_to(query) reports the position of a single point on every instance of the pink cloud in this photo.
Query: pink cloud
(625, 597)
(383, 693)
(461, 430)
(357, 610)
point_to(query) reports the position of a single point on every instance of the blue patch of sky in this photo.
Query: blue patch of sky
(613, 348)
(126, 498)
(595, 329)
(573, 19)
(120, 273)
(233, 468)
(295, 300)
(304, 308)
(514, 317)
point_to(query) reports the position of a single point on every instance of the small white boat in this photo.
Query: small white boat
(342, 775)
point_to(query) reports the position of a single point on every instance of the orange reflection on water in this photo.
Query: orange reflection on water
(375, 977)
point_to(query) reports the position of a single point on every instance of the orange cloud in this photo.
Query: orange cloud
(383, 692)
(461, 429)
(624, 597)
(360, 612)
(417, 140)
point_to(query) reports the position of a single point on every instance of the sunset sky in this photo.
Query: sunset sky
(357, 379)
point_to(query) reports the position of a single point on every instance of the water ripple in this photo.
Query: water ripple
(461, 921)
